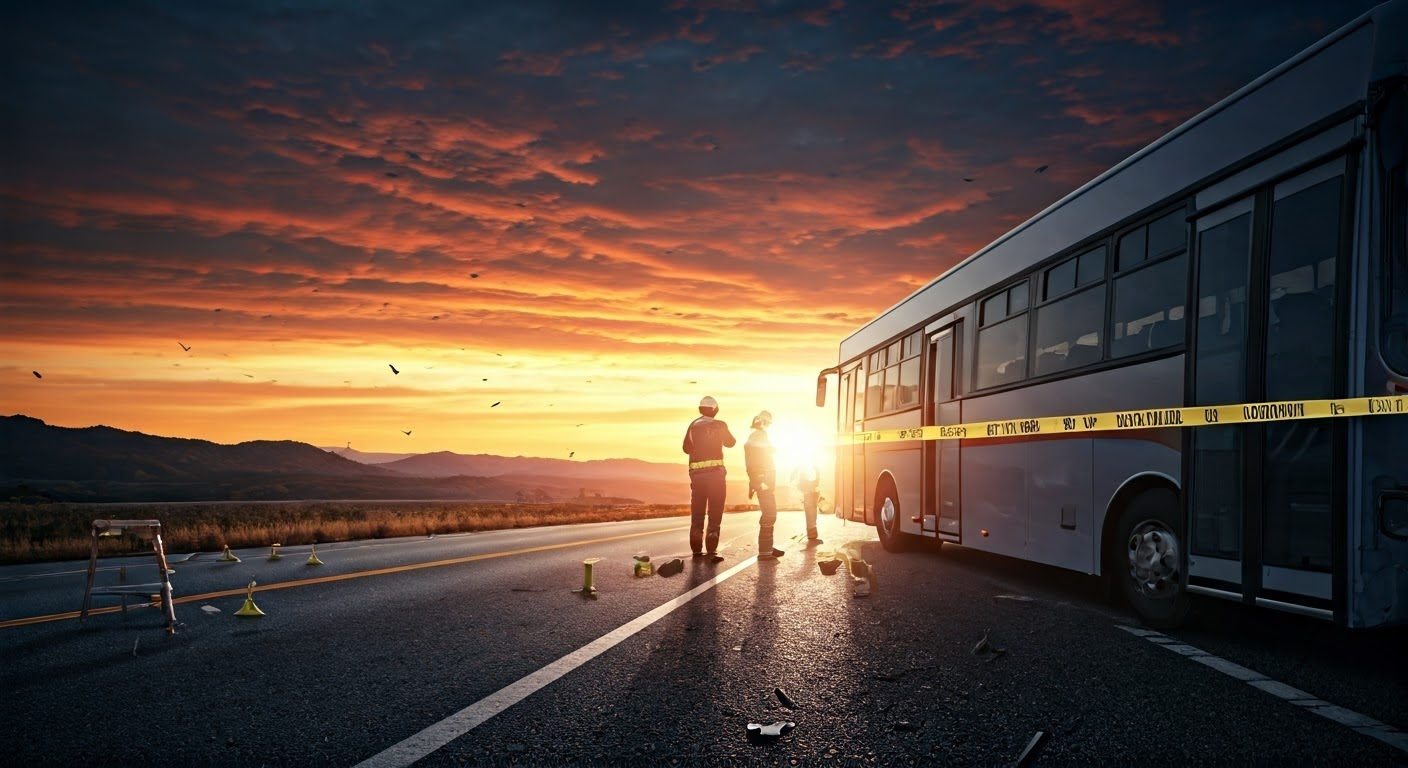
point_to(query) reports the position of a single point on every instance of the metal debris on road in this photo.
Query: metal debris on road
(784, 698)
(1033, 748)
(210, 609)
(772, 731)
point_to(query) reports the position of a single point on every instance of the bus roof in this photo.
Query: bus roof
(1331, 75)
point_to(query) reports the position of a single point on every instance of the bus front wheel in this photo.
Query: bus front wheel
(887, 520)
(1148, 559)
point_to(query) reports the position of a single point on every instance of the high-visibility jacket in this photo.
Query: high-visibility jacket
(705, 441)
(758, 457)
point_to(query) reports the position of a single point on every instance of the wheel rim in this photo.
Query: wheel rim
(887, 516)
(1154, 560)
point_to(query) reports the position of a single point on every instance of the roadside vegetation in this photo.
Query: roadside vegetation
(32, 533)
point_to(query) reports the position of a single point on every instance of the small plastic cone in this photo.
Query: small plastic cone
(228, 556)
(249, 608)
(313, 557)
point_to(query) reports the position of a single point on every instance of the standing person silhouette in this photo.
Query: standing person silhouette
(806, 479)
(705, 441)
(762, 480)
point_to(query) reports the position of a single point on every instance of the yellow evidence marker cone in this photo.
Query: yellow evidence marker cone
(227, 556)
(313, 557)
(274, 552)
(588, 589)
(249, 608)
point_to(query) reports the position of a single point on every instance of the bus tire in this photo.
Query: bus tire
(1148, 557)
(887, 519)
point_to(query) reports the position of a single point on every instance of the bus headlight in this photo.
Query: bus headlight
(1393, 513)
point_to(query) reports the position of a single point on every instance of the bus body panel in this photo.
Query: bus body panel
(900, 460)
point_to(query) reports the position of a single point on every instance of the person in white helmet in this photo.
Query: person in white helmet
(762, 480)
(705, 441)
(806, 479)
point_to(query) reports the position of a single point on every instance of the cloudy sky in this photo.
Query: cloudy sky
(591, 214)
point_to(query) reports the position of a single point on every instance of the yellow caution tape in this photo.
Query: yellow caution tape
(1195, 416)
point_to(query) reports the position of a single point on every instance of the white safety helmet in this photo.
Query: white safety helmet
(763, 420)
(708, 406)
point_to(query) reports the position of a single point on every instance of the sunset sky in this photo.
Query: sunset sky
(592, 214)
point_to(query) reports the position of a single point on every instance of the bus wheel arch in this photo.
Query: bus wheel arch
(887, 515)
(1143, 551)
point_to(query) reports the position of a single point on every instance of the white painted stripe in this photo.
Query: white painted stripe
(1229, 668)
(1346, 717)
(1280, 690)
(438, 735)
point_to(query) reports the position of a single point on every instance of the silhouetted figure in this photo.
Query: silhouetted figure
(705, 441)
(762, 481)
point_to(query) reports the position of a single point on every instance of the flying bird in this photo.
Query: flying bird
(184, 347)
(393, 369)
(474, 274)
(965, 178)
(249, 375)
(495, 404)
(570, 454)
(1042, 169)
(407, 431)
(36, 374)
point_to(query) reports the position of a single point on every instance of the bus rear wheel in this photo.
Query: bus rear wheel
(1148, 559)
(887, 520)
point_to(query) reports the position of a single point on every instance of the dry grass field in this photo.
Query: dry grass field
(32, 533)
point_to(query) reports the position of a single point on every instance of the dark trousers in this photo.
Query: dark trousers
(706, 492)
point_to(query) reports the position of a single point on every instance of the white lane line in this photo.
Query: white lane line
(1349, 718)
(467, 719)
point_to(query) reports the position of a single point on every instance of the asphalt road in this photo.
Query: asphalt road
(485, 655)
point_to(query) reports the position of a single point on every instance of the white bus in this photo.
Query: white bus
(1254, 254)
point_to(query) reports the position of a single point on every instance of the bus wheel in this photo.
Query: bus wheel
(1149, 563)
(887, 520)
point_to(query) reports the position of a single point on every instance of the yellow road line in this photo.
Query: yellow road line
(342, 577)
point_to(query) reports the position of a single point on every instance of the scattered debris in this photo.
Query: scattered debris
(828, 567)
(860, 587)
(1018, 598)
(770, 731)
(1033, 748)
(210, 609)
(671, 568)
(134, 645)
(905, 725)
(982, 646)
(784, 698)
(642, 567)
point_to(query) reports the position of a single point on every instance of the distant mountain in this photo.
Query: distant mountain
(368, 458)
(40, 461)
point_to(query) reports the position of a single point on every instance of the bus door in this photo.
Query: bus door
(851, 472)
(1266, 501)
(941, 470)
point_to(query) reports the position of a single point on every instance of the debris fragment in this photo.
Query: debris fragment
(860, 587)
(210, 609)
(1033, 748)
(982, 646)
(784, 698)
(134, 645)
(671, 568)
(828, 567)
(771, 731)
(904, 725)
